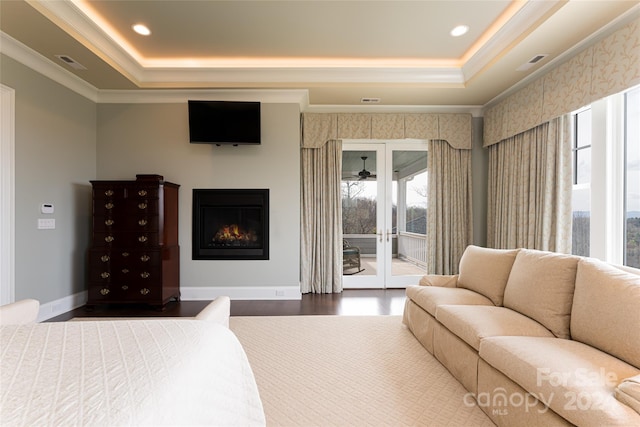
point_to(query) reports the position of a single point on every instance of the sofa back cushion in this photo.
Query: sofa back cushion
(486, 271)
(541, 286)
(606, 310)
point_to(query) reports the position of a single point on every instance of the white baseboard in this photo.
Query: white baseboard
(61, 306)
(66, 304)
(241, 293)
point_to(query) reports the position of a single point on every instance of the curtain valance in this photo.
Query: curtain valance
(610, 66)
(318, 128)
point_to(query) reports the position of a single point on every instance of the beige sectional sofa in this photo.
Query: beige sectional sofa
(537, 338)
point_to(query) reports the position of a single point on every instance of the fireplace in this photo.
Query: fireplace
(230, 224)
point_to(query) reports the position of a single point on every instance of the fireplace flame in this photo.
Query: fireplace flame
(233, 233)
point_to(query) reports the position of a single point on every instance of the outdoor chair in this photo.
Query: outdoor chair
(350, 258)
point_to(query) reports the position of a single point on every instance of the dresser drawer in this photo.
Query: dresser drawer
(113, 191)
(104, 293)
(134, 222)
(123, 239)
(125, 257)
(115, 208)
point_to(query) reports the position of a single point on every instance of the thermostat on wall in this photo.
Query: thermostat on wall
(46, 208)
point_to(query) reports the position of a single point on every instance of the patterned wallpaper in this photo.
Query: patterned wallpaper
(610, 66)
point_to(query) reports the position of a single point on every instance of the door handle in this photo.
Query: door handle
(380, 235)
(388, 234)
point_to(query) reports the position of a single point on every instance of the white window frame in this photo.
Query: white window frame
(607, 179)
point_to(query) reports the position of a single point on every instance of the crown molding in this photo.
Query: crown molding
(171, 96)
(513, 29)
(448, 76)
(32, 59)
(70, 18)
(613, 26)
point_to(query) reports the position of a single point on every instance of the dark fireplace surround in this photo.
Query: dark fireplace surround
(230, 224)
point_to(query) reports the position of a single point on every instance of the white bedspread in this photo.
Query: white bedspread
(114, 373)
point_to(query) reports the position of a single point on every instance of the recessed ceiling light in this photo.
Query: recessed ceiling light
(459, 30)
(141, 29)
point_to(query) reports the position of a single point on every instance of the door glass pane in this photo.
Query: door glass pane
(359, 212)
(409, 213)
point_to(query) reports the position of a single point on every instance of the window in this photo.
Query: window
(581, 196)
(632, 179)
(606, 179)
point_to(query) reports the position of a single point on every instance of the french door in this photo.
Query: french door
(384, 205)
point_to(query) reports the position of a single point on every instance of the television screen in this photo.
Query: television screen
(224, 122)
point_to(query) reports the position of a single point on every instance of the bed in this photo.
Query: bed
(126, 372)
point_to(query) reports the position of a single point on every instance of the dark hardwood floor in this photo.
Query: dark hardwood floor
(365, 302)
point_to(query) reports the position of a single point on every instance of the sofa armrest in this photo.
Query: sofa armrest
(217, 311)
(628, 392)
(23, 312)
(443, 281)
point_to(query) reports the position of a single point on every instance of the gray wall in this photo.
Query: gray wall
(154, 139)
(55, 157)
(479, 174)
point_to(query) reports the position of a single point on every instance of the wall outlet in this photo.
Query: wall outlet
(279, 293)
(46, 223)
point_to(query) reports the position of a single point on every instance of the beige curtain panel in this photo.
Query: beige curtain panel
(449, 213)
(321, 218)
(529, 200)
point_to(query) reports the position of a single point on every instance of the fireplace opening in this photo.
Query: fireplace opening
(230, 224)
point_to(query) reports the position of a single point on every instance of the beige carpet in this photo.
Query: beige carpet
(350, 371)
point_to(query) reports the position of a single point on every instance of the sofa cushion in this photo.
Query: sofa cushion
(606, 310)
(430, 297)
(473, 323)
(486, 271)
(541, 286)
(575, 380)
(628, 392)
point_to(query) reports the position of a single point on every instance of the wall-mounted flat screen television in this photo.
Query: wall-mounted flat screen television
(224, 122)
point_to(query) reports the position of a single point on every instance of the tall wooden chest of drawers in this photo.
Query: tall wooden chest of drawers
(135, 256)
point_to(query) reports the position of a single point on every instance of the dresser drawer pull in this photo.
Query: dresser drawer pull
(104, 291)
(145, 275)
(145, 258)
(142, 193)
(142, 222)
(109, 239)
(125, 287)
(125, 254)
(125, 270)
(105, 274)
(142, 239)
(105, 258)
(142, 205)
(144, 291)
(108, 222)
(109, 205)
(108, 193)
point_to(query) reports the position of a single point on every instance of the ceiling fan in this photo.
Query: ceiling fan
(364, 173)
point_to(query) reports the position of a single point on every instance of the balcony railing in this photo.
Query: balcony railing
(413, 247)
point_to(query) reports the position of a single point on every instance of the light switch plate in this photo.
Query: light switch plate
(46, 223)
